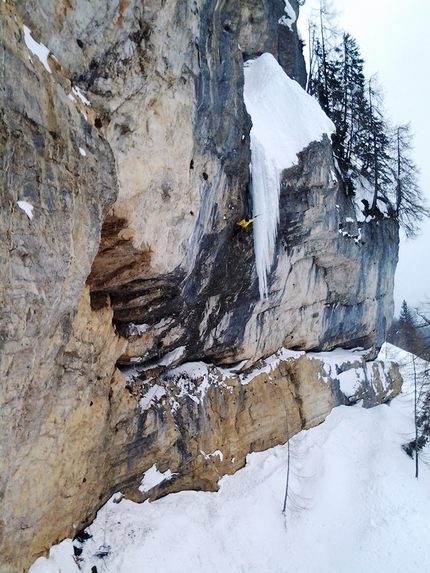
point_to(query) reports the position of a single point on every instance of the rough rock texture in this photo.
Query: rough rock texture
(129, 255)
(56, 465)
(200, 421)
(333, 277)
(44, 264)
(167, 81)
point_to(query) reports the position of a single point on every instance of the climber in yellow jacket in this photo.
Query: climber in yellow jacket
(245, 222)
(242, 225)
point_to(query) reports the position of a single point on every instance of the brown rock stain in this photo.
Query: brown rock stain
(121, 8)
(117, 261)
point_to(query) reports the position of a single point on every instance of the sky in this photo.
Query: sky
(394, 40)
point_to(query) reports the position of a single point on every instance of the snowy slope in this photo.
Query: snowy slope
(353, 506)
(285, 119)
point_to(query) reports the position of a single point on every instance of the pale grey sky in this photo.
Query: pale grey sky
(394, 39)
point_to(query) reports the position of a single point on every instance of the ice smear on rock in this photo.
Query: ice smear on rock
(265, 196)
(80, 95)
(285, 119)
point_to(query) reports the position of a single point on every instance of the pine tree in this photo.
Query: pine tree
(374, 153)
(349, 104)
(364, 143)
(406, 334)
(406, 326)
(410, 205)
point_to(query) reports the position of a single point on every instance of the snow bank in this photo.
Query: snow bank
(351, 381)
(285, 119)
(353, 505)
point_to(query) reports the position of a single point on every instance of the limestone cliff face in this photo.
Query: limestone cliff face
(200, 421)
(131, 143)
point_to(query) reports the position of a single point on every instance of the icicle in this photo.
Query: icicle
(285, 119)
(265, 198)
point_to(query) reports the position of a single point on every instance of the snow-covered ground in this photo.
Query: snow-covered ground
(353, 506)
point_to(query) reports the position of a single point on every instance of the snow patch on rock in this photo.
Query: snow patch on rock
(153, 477)
(289, 18)
(26, 207)
(39, 50)
(353, 505)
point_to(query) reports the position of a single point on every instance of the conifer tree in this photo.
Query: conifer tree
(377, 159)
(410, 205)
(364, 143)
(405, 332)
(349, 102)
(406, 325)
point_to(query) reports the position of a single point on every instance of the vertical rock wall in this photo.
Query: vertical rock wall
(136, 189)
(44, 260)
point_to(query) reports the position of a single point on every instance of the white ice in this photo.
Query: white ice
(285, 119)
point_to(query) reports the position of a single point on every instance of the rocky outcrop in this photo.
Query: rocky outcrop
(130, 146)
(200, 421)
(193, 423)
